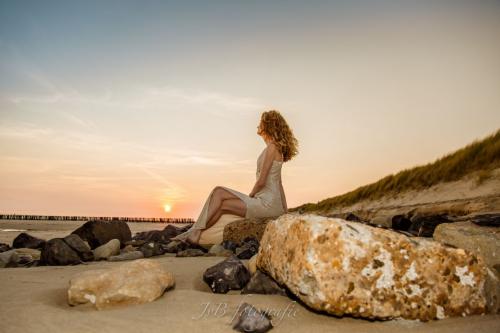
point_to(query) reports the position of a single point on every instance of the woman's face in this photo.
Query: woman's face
(261, 133)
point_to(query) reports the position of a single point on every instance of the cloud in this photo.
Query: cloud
(148, 156)
(24, 131)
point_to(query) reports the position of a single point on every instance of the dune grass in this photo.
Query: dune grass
(480, 156)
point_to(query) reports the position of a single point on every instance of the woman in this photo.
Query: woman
(267, 197)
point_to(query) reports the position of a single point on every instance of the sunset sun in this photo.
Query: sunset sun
(167, 208)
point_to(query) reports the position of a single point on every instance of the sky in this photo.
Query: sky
(118, 108)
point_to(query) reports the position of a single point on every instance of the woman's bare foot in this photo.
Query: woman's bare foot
(194, 237)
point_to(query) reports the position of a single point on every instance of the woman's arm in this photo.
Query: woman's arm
(283, 199)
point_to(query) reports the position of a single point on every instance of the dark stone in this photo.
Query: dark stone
(175, 246)
(28, 241)
(352, 217)
(151, 249)
(487, 220)
(401, 222)
(261, 283)
(80, 247)
(190, 253)
(229, 245)
(135, 243)
(248, 249)
(4, 247)
(198, 247)
(424, 226)
(249, 319)
(56, 252)
(161, 236)
(99, 232)
(230, 274)
(33, 263)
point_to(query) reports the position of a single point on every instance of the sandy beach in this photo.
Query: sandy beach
(35, 299)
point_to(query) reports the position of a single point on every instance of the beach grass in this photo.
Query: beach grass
(480, 156)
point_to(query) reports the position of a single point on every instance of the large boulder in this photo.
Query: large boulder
(239, 230)
(99, 232)
(483, 241)
(135, 282)
(342, 267)
(24, 240)
(56, 252)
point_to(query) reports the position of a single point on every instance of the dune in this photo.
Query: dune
(35, 299)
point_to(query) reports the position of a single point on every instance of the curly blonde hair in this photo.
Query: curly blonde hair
(274, 126)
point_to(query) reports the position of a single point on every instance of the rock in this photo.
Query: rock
(400, 222)
(99, 232)
(27, 241)
(239, 230)
(487, 220)
(382, 220)
(483, 241)
(56, 253)
(127, 256)
(8, 257)
(219, 250)
(80, 247)
(161, 236)
(248, 249)
(175, 246)
(18, 258)
(128, 248)
(33, 253)
(423, 226)
(249, 319)
(352, 217)
(111, 248)
(190, 253)
(135, 282)
(151, 249)
(229, 245)
(261, 283)
(135, 243)
(341, 268)
(252, 265)
(492, 291)
(4, 247)
(229, 274)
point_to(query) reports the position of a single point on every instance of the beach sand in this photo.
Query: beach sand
(35, 300)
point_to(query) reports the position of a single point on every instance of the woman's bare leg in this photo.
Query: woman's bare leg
(229, 206)
(218, 196)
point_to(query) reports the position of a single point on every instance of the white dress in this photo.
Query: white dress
(266, 203)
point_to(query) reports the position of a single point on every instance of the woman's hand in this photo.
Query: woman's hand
(251, 195)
